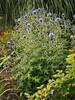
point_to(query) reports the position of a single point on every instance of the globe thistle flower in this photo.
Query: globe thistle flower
(34, 12)
(40, 9)
(17, 21)
(68, 22)
(73, 28)
(55, 15)
(63, 16)
(29, 26)
(49, 14)
(58, 19)
(8, 42)
(10, 45)
(24, 36)
(51, 35)
(40, 20)
(74, 16)
(25, 17)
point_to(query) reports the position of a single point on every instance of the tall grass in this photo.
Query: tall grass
(11, 9)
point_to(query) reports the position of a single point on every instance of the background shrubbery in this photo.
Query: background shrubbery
(11, 9)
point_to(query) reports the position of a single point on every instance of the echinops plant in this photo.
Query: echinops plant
(42, 43)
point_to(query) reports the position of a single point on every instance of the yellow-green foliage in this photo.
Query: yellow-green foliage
(71, 58)
(64, 82)
(4, 36)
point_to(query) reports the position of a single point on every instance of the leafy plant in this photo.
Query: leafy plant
(40, 54)
(62, 86)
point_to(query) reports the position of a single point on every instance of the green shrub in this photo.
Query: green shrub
(40, 54)
(62, 86)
